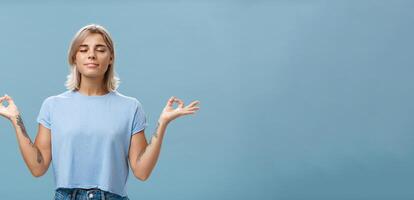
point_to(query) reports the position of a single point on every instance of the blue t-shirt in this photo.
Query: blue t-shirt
(90, 138)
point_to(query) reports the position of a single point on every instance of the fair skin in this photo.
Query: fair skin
(92, 60)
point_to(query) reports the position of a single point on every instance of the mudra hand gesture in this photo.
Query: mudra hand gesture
(169, 113)
(11, 110)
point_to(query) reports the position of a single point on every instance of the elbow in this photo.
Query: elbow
(141, 177)
(37, 173)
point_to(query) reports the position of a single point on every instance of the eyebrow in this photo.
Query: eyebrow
(98, 45)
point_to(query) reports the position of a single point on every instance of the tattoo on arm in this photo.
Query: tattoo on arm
(156, 132)
(156, 136)
(39, 156)
(23, 129)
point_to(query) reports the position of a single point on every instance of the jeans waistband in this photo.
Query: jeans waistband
(91, 193)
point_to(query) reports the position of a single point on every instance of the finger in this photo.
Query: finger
(2, 98)
(193, 108)
(170, 101)
(1, 102)
(188, 112)
(180, 102)
(193, 104)
(9, 99)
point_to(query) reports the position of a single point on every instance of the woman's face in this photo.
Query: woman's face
(93, 56)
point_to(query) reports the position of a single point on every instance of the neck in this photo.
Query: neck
(92, 86)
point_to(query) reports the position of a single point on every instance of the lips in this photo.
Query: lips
(91, 65)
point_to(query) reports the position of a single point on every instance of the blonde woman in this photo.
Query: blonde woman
(91, 130)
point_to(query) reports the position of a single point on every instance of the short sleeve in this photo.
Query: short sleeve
(139, 122)
(44, 113)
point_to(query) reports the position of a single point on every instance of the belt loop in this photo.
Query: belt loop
(102, 195)
(74, 194)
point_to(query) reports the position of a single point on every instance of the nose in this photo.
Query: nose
(91, 55)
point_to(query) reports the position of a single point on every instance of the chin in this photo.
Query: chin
(92, 75)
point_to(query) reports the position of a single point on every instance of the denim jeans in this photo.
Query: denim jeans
(86, 194)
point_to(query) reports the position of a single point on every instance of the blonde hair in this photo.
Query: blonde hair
(111, 80)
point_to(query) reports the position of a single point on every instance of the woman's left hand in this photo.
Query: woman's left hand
(169, 113)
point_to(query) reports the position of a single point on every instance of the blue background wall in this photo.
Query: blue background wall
(299, 99)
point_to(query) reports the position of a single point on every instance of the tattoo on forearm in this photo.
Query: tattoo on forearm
(22, 128)
(20, 123)
(155, 135)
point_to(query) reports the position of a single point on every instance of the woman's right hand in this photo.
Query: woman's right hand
(11, 110)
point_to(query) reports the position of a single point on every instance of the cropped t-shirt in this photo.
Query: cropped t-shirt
(90, 138)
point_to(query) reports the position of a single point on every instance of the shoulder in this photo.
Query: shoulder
(128, 99)
(62, 95)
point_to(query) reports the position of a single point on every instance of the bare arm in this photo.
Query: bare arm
(37, 156)
(143, 156)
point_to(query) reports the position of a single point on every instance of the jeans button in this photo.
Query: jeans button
(91, 195)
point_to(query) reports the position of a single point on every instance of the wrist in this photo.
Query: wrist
(13, 118)
(162, 121)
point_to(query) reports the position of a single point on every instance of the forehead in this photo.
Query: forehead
(93, 39)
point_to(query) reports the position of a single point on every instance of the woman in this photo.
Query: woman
(91, 130)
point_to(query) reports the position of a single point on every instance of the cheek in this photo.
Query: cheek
(78, 57)
(105, 59)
